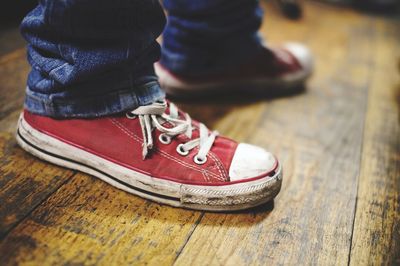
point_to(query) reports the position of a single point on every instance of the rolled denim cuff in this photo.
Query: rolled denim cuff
(93, 106)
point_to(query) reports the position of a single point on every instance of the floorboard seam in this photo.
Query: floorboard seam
(4, 235)
(352, 227)
(368, 84)
(178, 253)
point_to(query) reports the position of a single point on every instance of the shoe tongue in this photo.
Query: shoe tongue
(156, 108)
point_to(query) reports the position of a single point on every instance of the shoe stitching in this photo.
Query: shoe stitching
(206, 176)
(164, 154)
(219, 166)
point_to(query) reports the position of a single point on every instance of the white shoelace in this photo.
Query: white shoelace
(153, 116)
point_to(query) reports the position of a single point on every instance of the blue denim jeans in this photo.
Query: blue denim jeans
(93, 58)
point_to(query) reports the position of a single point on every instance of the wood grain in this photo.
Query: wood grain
(87, 221)
(24, 182)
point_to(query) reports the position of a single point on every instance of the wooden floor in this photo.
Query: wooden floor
(339, 143)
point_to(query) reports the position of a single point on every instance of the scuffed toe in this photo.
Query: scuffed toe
(250, 161)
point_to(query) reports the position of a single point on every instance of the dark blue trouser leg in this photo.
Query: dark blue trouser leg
(92, 57)
(206, 35)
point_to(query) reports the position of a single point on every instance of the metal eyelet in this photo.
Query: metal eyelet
(129, 115)
(164, 139)
(199, 161)
(181, 150)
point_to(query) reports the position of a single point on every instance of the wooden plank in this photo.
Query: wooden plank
(24, 182)
(317, 136)
(376, 237)
(13, 72)
(89, 222)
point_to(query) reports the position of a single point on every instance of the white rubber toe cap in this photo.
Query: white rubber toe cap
(303, 55)
(250, 161)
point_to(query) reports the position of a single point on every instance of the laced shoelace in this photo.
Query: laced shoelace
(154, 116)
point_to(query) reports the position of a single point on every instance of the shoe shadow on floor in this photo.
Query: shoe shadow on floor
(238, 95)
(233, 219)
(263, 208)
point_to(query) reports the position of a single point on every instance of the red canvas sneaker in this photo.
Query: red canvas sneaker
(159, 153)
(272, 71)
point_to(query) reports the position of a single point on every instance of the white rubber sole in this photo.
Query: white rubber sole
(260, 86)
(211, 198)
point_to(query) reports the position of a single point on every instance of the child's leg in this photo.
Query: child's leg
(92, 57)
(212, 46)
(206, 36)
